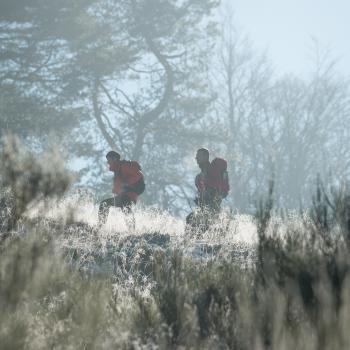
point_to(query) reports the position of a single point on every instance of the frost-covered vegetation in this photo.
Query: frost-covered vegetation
(267, 282)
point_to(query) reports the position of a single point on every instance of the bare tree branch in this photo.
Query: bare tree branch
(97, 115)
(115, 131)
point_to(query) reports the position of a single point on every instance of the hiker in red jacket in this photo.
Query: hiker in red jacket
(128, 184)
(212, 184)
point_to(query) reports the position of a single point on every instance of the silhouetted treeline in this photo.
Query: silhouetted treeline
(157, 79)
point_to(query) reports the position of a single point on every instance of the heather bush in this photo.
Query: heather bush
(26, 178)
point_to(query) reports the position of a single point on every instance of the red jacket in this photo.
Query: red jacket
(126, 174)
(211, 177)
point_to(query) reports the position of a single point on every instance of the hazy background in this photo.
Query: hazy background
(286, 29)
(264, 84)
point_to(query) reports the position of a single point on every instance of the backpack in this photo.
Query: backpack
(218, 176)
(133, 164)
(139, 186)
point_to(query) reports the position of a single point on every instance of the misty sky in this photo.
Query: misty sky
(286, 28)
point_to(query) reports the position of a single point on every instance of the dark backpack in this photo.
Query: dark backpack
(140, 186)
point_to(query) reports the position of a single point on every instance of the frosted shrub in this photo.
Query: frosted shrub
(30, 178)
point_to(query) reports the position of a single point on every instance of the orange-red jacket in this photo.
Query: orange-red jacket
(126, 174)
(213, 176)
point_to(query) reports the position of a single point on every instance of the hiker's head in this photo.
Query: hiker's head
(202, 156)
(112, 157)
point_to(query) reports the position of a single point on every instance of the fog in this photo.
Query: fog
(287, 30)
(264, 86)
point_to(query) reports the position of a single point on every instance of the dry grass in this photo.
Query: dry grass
(248, 283)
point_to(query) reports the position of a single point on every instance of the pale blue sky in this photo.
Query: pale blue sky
(286, 28)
